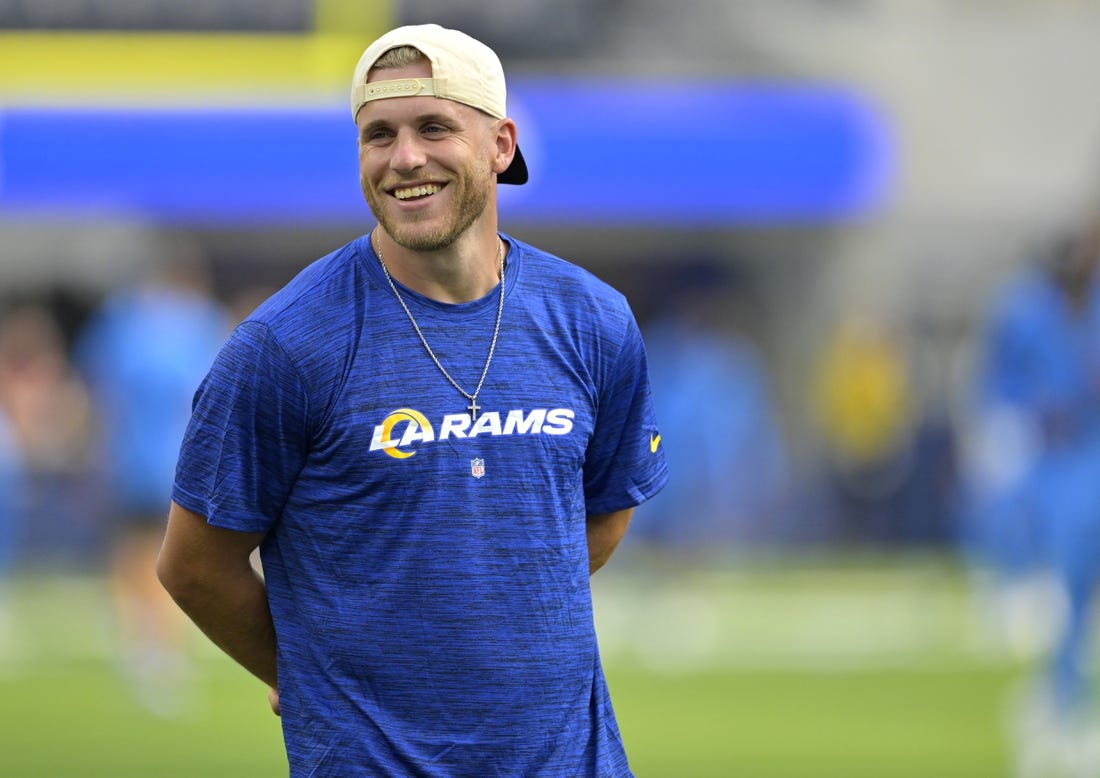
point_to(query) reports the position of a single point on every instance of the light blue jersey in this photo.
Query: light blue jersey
(428, 575)
(1041, 368)
(143, 354)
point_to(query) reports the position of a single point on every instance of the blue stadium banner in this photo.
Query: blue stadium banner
(683, 152)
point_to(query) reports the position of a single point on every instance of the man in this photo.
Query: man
(141, 355)
(1032, 479)
(435, 435)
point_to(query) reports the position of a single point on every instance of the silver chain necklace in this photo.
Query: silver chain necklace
(473, 407)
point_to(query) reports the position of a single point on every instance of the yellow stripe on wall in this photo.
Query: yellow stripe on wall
(87, 68)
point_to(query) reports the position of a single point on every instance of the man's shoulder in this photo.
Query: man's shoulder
(566, 278)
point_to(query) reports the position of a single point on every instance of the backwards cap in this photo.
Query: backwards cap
(463, 69)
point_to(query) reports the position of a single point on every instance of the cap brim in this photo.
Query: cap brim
(516, 172)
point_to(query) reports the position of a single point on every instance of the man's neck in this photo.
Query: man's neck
(466, 270)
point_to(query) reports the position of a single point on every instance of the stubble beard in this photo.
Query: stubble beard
(473, 198)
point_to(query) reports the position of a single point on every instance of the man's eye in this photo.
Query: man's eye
(434, 129)
(377, 136)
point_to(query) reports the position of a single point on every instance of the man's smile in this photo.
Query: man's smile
(414, 192)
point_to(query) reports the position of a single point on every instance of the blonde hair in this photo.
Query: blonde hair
(398, 58)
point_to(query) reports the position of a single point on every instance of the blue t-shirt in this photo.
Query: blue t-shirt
(1041, 362)
(428, 576)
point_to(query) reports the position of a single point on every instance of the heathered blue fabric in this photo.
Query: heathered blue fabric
(430, 622)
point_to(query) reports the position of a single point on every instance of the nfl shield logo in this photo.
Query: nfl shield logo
(477, 467)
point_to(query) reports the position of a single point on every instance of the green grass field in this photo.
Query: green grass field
(848, 669)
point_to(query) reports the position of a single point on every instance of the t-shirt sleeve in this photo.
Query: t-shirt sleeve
(246, 441)
(625, 462)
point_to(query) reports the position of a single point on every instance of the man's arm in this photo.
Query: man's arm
(209, 574)
(605, 530)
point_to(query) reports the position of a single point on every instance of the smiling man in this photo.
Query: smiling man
(435, 435)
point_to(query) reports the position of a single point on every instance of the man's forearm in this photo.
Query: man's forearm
(604, 531)
(234, 614)
(209, 573)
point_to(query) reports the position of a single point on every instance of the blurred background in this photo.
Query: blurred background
(860, 238)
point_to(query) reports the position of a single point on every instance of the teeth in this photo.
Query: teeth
(416, 191)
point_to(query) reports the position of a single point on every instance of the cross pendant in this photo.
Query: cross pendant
(473, 408)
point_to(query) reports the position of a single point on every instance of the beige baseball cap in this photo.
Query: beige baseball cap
(463, 69)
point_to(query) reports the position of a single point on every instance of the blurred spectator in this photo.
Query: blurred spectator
(45, 399)
(48, 410)
(1033, 486)
(720, 429)
(44, 422)
(144, 354)
(865, 408)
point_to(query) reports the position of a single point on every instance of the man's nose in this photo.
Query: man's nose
(408, 152)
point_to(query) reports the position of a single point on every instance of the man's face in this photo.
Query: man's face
(425, 163)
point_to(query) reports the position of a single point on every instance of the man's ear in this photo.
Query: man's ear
(506, 141)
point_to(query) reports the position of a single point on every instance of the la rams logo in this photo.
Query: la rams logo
(383, 433)
(401, 432)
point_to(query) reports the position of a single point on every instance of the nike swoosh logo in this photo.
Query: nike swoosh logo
(654, 441)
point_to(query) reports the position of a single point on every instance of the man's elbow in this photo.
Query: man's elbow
(604, 533)
(179, 578)
(169, 573)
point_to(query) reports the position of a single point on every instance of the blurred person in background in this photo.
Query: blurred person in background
(46, 400)
(1033, 486)
(865, 409)
(144, 352)
(436, 434)
(47, 422)
(722, 432)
